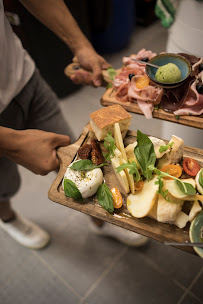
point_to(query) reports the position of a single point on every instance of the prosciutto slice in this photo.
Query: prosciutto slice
(122, 92)
(146, 97)
(123, 77)
(143, 53)
(146, 107)
(193, 104)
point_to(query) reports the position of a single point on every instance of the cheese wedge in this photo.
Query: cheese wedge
(196, 208)
(120, 146)
(167, 211)
(120, 175)
(181, 220)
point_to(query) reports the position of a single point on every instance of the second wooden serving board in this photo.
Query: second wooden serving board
(109, 99)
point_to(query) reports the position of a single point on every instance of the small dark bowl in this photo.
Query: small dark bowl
(182, 63)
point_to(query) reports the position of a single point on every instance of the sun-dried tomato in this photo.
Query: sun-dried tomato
(84, 152)
(96, 154)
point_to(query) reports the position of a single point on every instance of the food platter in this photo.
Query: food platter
(132, 101)
(109, 99)
(145, 226)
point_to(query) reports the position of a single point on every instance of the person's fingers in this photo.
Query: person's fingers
(82, 78)
(105, 65)
(97, 74)
(55, 162)
(74, 79)
(60, 140)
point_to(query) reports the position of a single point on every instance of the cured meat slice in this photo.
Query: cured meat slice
(146, 108)
(173, 99)
(195, 62)
(146, 97)
(122, 92)
(149, 93)
(193, 104)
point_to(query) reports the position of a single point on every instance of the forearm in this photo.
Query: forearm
(9, 141)
(56, 16)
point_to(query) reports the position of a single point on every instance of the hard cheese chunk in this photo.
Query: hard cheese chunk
(120, 175)
(167, 211)
(120, 146)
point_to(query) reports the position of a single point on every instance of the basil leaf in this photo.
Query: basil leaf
(186, 188)
(85, 164)
(166, 147)
(145, 155)
(109, 85)
(201, 178)
(111, 72)
(105, 198)
(71, 190)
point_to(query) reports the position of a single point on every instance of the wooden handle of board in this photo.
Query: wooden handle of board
(72, 68)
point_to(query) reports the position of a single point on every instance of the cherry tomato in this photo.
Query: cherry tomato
(139, 185)
(191, 166)
(142, 82)
(174, 170)
(117, 198)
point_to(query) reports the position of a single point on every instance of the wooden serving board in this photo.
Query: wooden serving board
(110, 99)
(145, 226)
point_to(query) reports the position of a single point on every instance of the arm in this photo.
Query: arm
(33, 149)
(55, 15)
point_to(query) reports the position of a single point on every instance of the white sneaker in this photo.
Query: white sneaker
(25, 232)
(126, 237)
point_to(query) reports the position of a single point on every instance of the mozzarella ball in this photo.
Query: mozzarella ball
(87, 181)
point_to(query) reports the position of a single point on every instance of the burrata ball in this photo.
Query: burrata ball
(87, 181)
(168, 73)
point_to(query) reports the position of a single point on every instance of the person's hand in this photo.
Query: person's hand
(93, 62)
(36, 150)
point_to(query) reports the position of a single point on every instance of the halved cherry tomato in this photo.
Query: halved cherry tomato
(190, 166)
(117, 198)
(174, 170)
(142, 81)
(139, 185)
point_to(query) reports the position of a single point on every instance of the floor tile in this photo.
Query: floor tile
(177, 264)
(189, 299)
(79, 256)
(133, 280)
(197, 287)
(25, 279)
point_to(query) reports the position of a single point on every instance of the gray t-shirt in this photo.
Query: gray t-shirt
(16, 66)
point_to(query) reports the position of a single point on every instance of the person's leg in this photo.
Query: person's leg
(6, 212)
(9, 185)
(23, 231)
(16, 116)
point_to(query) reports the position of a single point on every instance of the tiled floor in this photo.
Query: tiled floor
(78, 267)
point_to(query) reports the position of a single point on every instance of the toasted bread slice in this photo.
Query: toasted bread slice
(103, 120)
